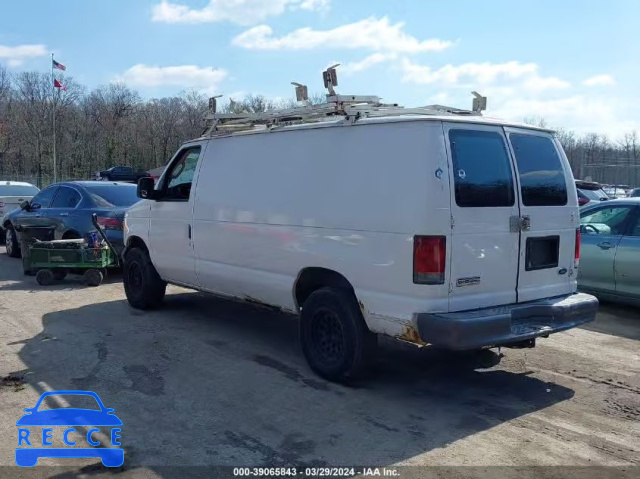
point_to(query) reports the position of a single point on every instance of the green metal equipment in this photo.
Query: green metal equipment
(53, 260)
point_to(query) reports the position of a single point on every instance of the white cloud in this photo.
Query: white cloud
(545, 83)
(518, 90)
(243, 12)
(581, 113)
(366, 63)
(15, 56)
(184, 76)
(370, 33)
(478, 75)
(483, 73)
(599, 80)
(315, 5)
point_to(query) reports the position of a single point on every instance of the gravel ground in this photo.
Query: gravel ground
(206, 382)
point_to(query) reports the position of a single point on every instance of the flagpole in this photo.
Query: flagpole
(55, 176)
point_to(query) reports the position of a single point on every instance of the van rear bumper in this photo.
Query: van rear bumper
(503, 325)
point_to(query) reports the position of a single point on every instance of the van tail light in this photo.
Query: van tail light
(109, 223)
(429, 253)
(576, 254)
(1, 204)
(582, 201)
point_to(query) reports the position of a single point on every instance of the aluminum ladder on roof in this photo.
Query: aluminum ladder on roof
(350, 107)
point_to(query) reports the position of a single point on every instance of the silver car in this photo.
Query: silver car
(610, 250)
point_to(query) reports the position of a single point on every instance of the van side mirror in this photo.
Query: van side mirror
(25, 205)
(146, 188)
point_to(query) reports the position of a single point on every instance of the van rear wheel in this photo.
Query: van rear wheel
(335, 339)
(142, 283)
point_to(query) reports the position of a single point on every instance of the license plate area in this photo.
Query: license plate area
(542, 252)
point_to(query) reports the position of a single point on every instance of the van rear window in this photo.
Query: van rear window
(482, 169)
(542, 179)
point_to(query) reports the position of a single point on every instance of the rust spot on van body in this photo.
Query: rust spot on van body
(411, 335)
(260, 304)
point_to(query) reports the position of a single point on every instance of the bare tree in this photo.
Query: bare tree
(112, 125)
(538, 121)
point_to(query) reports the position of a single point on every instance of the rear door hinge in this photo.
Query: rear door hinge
(519, 223)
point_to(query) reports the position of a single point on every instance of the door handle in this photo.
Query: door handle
(64, 214)
(189, 231)
(605, 245)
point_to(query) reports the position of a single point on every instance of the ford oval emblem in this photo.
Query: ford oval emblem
(562, 271)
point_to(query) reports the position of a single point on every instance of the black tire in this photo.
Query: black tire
(45, 277)
(142, 283)
(11, 242)
(93, 277)
(59, 274)
(335, 339)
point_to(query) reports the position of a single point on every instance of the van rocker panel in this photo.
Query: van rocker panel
(507, 324)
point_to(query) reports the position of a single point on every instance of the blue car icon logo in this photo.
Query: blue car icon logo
(30, 438)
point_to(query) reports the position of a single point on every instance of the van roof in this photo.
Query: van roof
(339, 121)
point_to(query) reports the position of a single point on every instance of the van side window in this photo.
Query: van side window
(541, 173)
(481, 169)
(179, 178)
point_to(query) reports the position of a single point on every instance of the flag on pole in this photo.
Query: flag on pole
(59, 66)
(57, 84)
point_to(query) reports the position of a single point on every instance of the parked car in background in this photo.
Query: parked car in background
(121, 173)
(589, 191)
(616, 191)
(64, 210)
(634, 193)
(12, 193)
(610, 256)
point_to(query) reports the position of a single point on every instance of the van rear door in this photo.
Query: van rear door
(548, 215)
(484, 209)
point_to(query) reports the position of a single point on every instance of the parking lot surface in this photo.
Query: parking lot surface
(205, 381)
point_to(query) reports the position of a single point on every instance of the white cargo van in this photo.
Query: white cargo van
(433, 226)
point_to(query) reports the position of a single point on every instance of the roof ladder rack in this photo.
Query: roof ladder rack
(347, 106)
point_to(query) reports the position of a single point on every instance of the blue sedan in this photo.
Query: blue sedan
(64, 211)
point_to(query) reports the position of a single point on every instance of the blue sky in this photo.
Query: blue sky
(573, 62)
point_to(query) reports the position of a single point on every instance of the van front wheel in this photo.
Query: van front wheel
(335, 339)
(142, 283)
